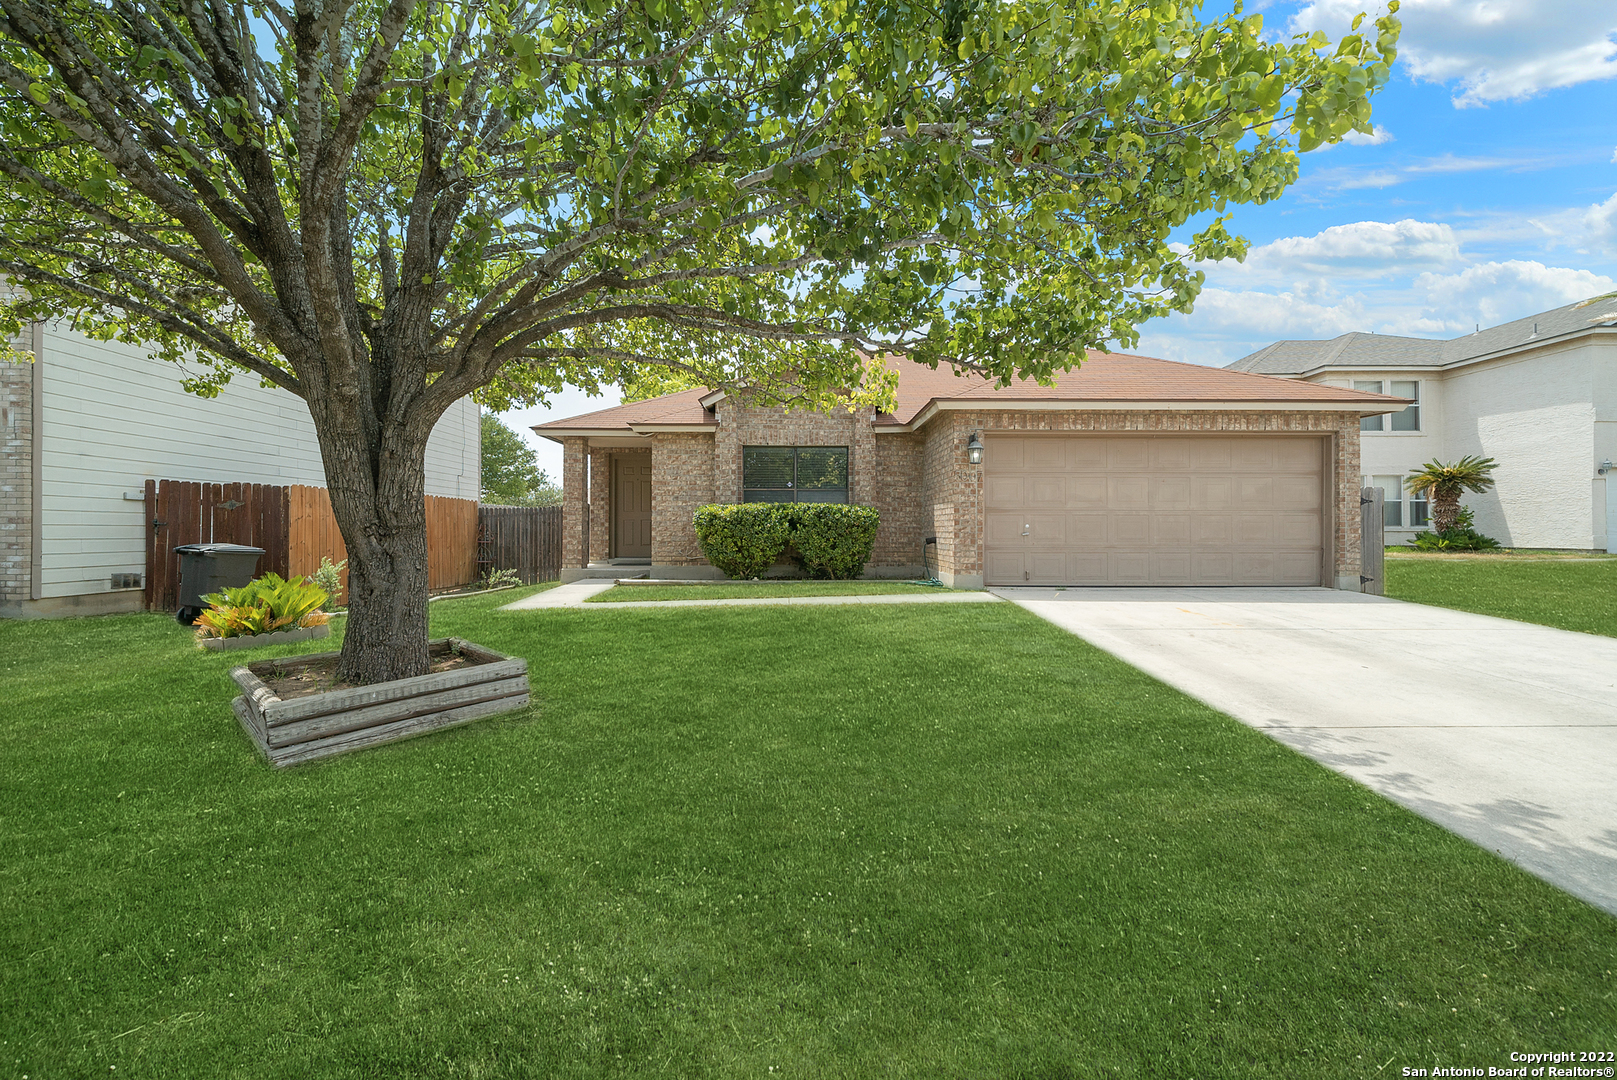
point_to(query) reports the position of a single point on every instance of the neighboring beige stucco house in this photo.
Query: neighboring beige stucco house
(88, 422)
(1539, 395)
(1129, 470)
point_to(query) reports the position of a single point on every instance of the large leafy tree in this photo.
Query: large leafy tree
(511, 472)
(385, 205)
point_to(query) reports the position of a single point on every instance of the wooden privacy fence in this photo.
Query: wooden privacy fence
(526, 539)
(451, 537)
(179, 513)
(293, 524)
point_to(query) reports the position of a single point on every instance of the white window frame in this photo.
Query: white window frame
(1419, 507)
(1411, 413)
(1370, 423)
(1389, 422)
(1392, 500)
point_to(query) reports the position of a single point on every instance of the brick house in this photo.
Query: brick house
(1128, 471)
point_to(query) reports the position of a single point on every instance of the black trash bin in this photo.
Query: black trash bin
(207, 568)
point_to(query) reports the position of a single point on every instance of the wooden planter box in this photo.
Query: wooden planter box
(314, 726)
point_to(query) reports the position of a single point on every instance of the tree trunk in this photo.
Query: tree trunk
(378, 497)
(386, 636)
(1445, 507)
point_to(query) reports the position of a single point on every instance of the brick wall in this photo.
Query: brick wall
(920, 483)
(759, 426)
(898, 500)
(682, 478)
(1345, 447)
(574, 504)
(16, 480)
(600, 503)
(951, 493)
(952, 489)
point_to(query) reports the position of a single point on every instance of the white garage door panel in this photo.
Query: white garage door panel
(1168, 510)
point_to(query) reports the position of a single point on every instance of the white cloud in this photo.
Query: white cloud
(1231, 323)
(1349, 178)
(1361, 248)
(1491, 293)
(1491, 50)
(1600, 225)
(1379, 179)
(1235, 317)
(1376, 137)
(1590, 231)
(1449, 163)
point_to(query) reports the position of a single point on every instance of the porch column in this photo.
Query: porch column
(575, 548)
(599, 543)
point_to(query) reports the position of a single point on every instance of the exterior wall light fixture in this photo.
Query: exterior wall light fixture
(974, 449)
(1605, 467)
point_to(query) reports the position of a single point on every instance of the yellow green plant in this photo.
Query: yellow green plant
(262, 606)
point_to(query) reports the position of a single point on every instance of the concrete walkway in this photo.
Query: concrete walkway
(1501, 731)
(574, 595)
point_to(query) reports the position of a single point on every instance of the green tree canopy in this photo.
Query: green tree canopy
(511, 472)
(385, 205)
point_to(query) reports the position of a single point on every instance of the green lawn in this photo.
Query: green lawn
(1554, 592)
(732, 590)
(929, 841)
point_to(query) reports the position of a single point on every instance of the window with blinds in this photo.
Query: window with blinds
(794, 474)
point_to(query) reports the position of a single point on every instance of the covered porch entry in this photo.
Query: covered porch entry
(610, 529)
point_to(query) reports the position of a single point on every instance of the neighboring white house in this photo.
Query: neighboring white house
(1539, 395)
(89, 422)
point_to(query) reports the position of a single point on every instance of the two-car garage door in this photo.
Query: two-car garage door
(1154, 510)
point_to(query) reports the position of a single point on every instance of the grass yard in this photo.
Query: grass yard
(1554, 592)
(928, 841)
(733, 590)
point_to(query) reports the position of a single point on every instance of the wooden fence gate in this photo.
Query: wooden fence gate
(179, 513)
(1372, 542)
(526, 539)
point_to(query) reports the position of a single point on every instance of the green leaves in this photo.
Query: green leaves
(737, 194)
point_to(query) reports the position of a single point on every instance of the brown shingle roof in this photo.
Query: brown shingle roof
(1102, 377)
(684, 407)
(1116, 377)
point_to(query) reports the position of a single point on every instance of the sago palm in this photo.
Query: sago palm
(1444, 484)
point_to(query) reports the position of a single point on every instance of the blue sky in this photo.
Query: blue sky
(1488, 193)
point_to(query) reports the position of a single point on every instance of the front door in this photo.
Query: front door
(631, 506)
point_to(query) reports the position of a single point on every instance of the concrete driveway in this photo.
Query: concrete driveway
(1501, 731)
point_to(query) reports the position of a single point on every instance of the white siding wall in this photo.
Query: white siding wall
(1399, 453)
(1549, 417)
(114, 418)
(1535, 415)
(1605, 445)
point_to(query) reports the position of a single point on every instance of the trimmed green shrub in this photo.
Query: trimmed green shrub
(1461, 536)
(826, 540)
(832, 540)
(743, 539)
